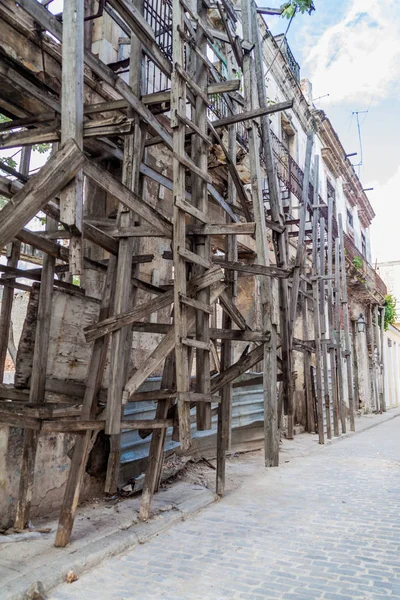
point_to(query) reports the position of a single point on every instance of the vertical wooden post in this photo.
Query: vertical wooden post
(156, 452)
(324, 349)
(371, 350)
(382, 340)
(277, 217)
(339, 362)
(202, 243)
(355, 362)
(71, 197)
(378, 367)
(332, 349)
(178, 105)
(12, 253)
(375, 357)
(38, 382)
(300, 251)
(316, 302)
(346, 320)
(251, 34)
(82, 443)
(307, 364)
(125, 295)
(225, 406)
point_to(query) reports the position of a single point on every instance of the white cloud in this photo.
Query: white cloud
(358, 59)
(385, 227)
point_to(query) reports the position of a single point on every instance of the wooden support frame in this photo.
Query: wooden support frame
(346, 320)
(197, 283)
(316, 298)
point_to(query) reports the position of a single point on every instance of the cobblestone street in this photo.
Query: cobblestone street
(323, 526)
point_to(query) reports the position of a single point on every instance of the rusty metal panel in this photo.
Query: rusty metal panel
(247, 408)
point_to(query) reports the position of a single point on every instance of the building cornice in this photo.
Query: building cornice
(337, 155)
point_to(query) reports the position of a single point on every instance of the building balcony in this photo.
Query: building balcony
(362, 279)
(287, 53)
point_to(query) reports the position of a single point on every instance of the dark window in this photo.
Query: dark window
(350, 221)
(363, 244)
(331, 194)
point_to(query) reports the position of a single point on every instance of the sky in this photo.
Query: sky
(350, 49)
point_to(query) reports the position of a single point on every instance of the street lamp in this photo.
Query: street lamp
(361, 324)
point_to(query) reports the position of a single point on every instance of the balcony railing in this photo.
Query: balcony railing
(158, 14)
(287, 53)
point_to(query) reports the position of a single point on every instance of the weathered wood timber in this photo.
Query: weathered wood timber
(37, 385)
(42, 187)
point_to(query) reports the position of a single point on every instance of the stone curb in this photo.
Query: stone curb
(349, 434)
(50, 576)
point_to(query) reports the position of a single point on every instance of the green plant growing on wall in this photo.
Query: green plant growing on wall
(390, 311)
(290, 8)
(358, 263)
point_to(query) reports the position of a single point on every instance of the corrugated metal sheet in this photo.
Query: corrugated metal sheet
(247, 408)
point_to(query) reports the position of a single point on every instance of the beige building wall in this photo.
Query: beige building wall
(392, 366)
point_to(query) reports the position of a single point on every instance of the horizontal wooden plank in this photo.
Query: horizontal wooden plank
(238, 335)
(253, 114)
(9, 392)
(224, 229)
(251, 269)
(191, 210)
(153, 395)
(70, 425)
(220, 87)
(189, 164)
(197, 397)
(147, 424)
(198, 344)
(15, 420)
(37, 241)
(93, 332)
(190, 256)
(139, 231)
(206, 308)
(194, 128)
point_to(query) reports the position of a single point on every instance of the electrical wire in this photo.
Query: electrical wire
(360, 142)
(344, 41)
(280, 47)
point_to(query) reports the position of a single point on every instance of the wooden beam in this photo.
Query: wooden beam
(268, 271)
(234, 371)
(128, 197)
(316, 306)
(224, 229)
(71, 196)
(13, 252)
(280, 243)
(331, 323)
(346, 320)
(37, 386)
(53, 176)
(253, 114)
(221, 87)
(51, 24)
(82, 442)
(162, 351)
(233, 173)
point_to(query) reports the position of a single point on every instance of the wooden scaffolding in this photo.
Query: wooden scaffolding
(122, 123)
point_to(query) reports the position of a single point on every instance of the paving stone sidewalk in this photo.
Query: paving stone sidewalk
(326, 526)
